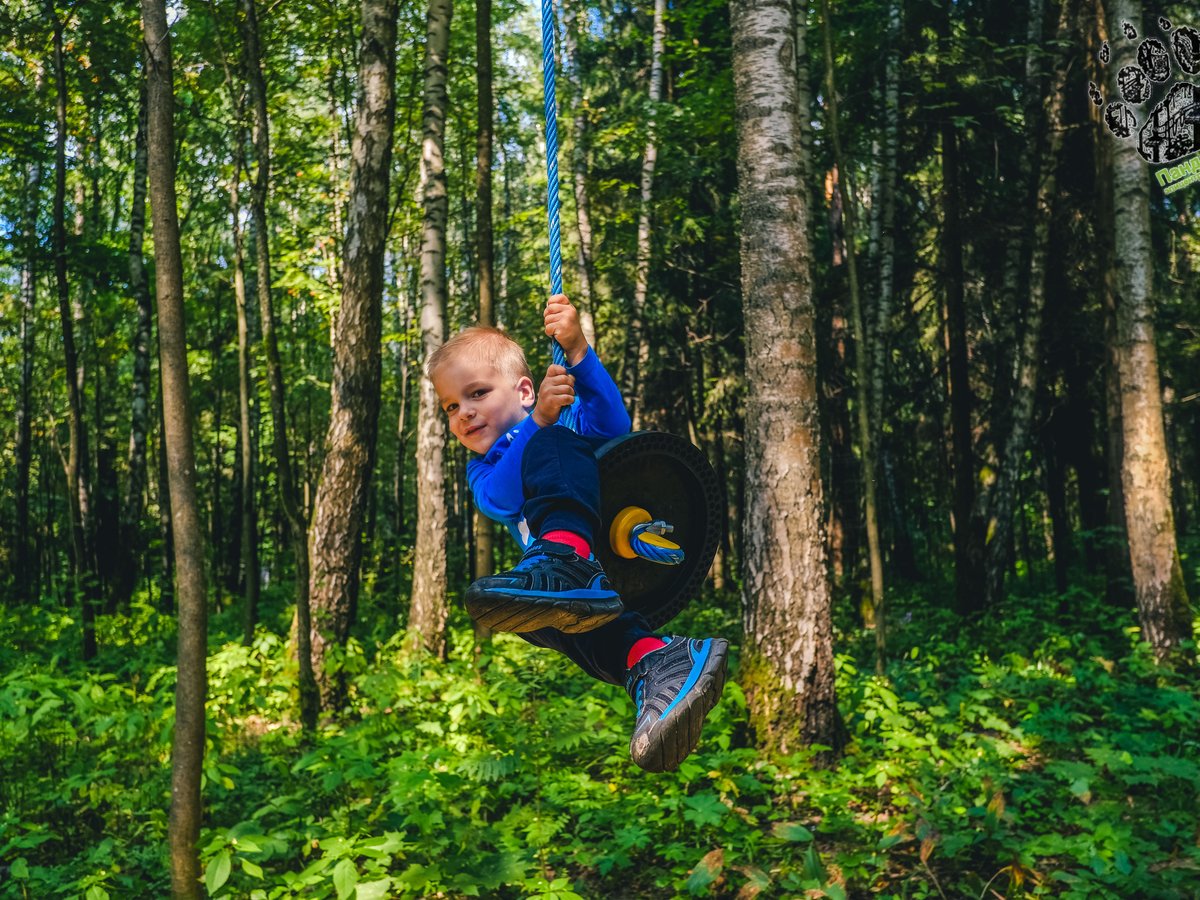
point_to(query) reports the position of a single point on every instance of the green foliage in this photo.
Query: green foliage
(1057, 765)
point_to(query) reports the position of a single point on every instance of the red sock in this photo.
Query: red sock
(640, 648)
(571, 539)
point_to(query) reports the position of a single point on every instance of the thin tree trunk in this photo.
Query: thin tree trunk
(428, 611)
(1024, 392)
(586, 293)
(1163, 607)
(968, 549)
(861, 351)
(166, 600)
(336, 537)
(78, 488)
(788, 664)
(187, 755)
(637, 351)
(887, 216)
(289, 497)
(407, 291)
(803, 89)
(247, 447)
(483, 530)
(132, 505)
(27, 580)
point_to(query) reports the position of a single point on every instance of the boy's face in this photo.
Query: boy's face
(481, 403)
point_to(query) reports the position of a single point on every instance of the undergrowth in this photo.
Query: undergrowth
(1037, 753)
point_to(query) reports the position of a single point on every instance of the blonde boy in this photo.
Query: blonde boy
(540, 479)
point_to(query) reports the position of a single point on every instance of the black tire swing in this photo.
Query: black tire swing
(652, 484)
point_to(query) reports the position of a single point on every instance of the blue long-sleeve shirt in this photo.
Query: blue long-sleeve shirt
(495, 477)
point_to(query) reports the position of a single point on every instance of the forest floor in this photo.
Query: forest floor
(1038, 752)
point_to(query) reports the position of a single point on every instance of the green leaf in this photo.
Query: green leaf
(345, 877)
(254, 870)
(19, 869)
(95, 892)
(705, 808)
(217, 872)
(373, 890)
(791, 831)
(706, 871)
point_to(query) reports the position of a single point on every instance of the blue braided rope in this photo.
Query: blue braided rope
(569, 415)
(664, 556)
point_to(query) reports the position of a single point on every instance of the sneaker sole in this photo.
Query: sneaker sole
(518, 615)
(670, 741)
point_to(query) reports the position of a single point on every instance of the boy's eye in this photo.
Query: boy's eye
(448, 409)
(479, 393)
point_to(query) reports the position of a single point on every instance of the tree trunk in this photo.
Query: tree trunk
(862, 393)
(336, 538)
(247, 447)
(968, 549)
(880, 328)
(132, 505)
(78, 488)
(428, 610)
(788, 666)
(27, 245)
(289, 497)
(1162, 600)
(637, 350)
(1029, 355)
(483, 530)
(586, 293)
(187, 756)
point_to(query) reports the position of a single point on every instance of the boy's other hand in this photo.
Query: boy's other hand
(562, 324)
(556, 393)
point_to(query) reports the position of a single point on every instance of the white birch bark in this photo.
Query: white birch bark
(788, 667)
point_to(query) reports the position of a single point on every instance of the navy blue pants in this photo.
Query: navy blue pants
(562, 492)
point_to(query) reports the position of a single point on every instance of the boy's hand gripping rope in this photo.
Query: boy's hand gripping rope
(569, 415)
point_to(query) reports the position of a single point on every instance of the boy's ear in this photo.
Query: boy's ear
(525, 391)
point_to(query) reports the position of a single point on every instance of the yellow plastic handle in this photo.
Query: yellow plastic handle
(622, 527)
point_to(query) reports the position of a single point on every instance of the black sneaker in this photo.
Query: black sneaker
(551, 587)
(674, 688)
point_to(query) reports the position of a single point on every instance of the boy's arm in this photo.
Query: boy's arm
(604, 413)
(496, 484)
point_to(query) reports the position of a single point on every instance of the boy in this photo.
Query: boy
(540, 479)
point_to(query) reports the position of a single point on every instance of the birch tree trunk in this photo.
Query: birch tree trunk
(341, 501)
(862, 393)
(1024, 391)
(637, 350)
(428, 609)
(788, 665)
(289, 495)
(1163, 607)
(187, 756)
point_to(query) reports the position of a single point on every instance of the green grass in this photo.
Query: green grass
(1036, 753)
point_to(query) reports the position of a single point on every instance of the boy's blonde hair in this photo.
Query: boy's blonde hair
(486, 345)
